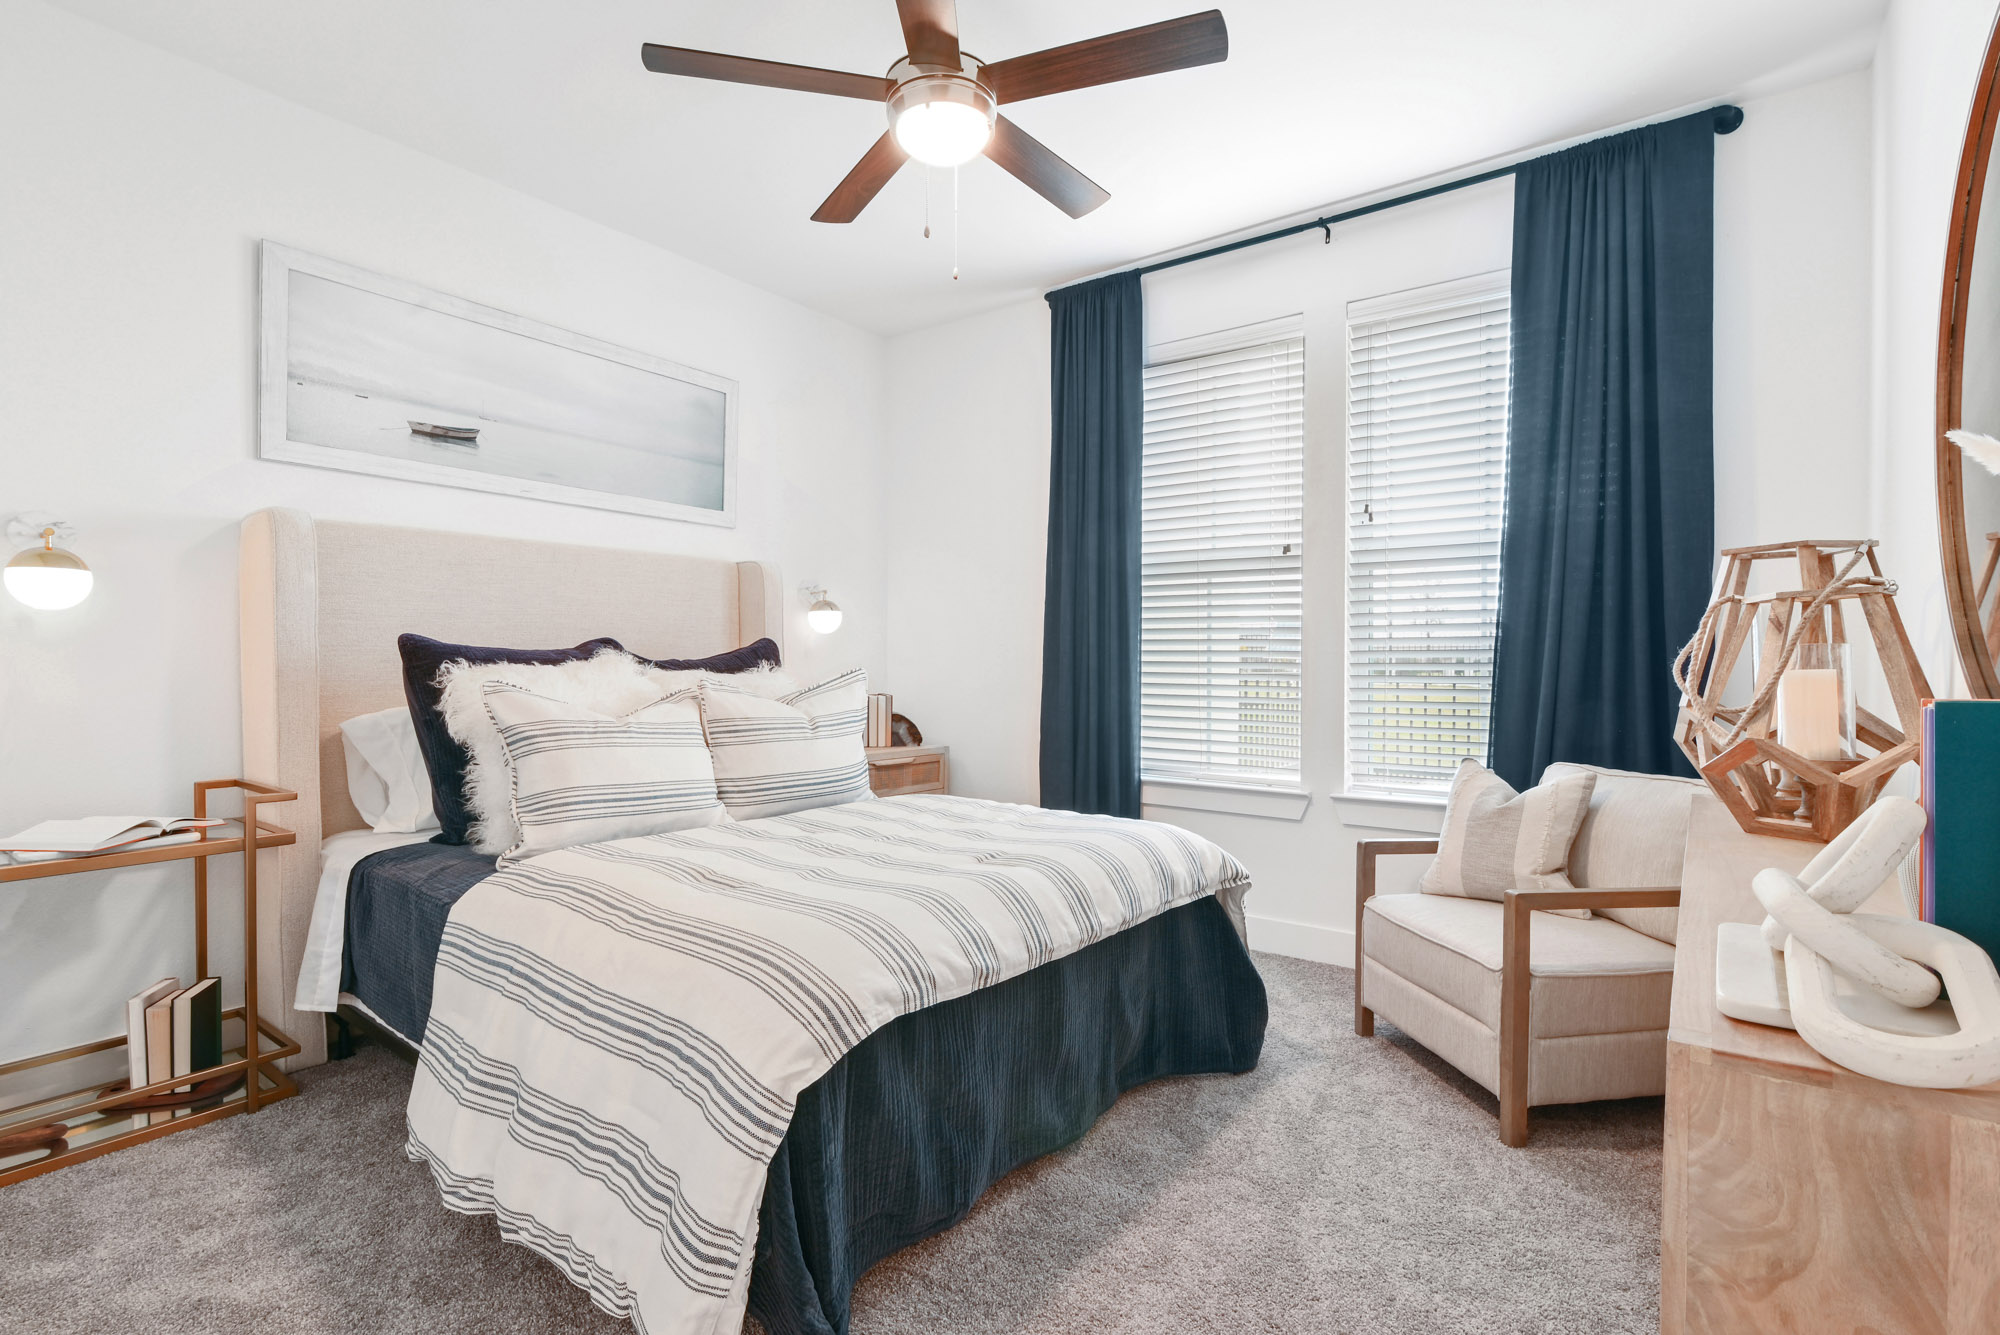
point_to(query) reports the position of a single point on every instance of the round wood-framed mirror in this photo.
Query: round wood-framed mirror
(1968, 397)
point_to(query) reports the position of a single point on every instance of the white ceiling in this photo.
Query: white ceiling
(1320, 101)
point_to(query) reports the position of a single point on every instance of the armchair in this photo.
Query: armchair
(1547, 1009)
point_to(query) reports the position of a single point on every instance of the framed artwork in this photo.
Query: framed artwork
(375, 375)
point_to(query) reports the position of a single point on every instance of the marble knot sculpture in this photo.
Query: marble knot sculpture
(1889, 997)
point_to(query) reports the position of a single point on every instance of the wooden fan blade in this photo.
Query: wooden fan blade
(764, 73)
(1042, 171)
(930, 30)
(870, 174)
(1198, 39)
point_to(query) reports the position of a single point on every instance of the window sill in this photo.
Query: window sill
(1228, 799)
(1373, 811)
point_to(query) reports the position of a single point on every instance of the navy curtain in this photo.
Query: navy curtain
(1090, 619)
(1610, 515)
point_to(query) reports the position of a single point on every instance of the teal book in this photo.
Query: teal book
(198, 1028)
(1961, 785)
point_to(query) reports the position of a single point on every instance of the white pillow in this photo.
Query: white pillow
(791, 754)
(580, 777)
(1496, 839)
(386, 778)
(611, 684)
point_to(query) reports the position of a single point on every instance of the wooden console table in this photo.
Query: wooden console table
(1799, 1196)
(52, 1131)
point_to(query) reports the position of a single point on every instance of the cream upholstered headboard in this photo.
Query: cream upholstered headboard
(322, 605)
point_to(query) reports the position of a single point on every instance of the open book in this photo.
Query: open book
(101, 834)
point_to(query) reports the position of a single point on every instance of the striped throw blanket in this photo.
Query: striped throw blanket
(619, 1030)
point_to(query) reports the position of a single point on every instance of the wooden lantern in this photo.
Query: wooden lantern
(1769, 788)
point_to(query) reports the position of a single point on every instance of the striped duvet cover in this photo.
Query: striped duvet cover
(619, 1031)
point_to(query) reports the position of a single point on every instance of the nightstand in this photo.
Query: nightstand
(49, 1132)
(896, 770)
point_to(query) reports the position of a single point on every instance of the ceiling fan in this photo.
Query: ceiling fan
(944, 105)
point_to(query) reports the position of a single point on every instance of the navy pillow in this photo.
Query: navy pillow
(443, 756)
(446, 759)
(747, 659)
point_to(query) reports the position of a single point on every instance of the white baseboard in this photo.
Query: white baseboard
(1302, 940)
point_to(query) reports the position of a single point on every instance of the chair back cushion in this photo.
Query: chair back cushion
(1634, 835)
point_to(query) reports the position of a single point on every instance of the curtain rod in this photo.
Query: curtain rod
(1727, 119)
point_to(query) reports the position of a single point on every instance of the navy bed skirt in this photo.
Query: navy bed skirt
(900, 1138)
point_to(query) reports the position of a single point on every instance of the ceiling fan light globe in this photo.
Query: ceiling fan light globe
(943, 134)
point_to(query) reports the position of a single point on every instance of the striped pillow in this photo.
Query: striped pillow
(800, 751)
(1496, 839)
(580, 777)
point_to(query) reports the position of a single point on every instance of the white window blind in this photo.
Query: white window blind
(1426, 471)
(1224, 494)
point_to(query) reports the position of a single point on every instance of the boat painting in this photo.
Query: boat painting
(464, 435)
(374, 375)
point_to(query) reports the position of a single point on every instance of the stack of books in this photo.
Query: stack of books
(92, 835)
(1960, 886)
(881, 714)
(172, 1030)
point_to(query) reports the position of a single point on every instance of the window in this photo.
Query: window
(1426, 474)
(1224, 497)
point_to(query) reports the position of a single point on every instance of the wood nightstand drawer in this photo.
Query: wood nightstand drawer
(895, 770)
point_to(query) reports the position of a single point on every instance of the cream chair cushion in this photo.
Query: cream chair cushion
(1635, 834)
(1578, 1068)
(1599, 994)
(1590, 975)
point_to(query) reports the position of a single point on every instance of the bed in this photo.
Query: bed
(926, 1097)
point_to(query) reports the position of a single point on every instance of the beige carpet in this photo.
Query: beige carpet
(1347, 1185)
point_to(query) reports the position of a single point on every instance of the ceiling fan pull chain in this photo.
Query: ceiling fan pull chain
(927, 203)
(954, 224)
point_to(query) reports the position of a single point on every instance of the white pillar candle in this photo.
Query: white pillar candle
(1809, 712)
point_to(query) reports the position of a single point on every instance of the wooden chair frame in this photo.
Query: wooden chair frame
(1516, 978)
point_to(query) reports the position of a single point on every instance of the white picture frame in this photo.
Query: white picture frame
(345, 355)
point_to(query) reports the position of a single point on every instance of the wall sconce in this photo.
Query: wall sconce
(42, 575)
(823, 615)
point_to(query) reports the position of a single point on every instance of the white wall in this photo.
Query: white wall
(1793, 244)
(138, 186)
(1793, 247)
(968, 519)
(1926, 67)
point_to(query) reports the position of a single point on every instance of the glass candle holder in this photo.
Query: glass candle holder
(1815, 704)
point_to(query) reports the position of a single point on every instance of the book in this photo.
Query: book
(137, 845)
(160, 1047)
(1961, 796)
(197, 1028)
(1926, 788)
(135, 1027)
(99, 834)
(881, 710)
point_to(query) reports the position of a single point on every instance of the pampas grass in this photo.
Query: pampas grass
(1982, 450)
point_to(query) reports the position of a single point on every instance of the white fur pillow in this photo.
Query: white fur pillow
(612, 683)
